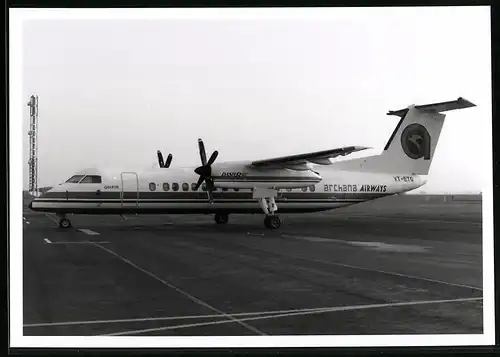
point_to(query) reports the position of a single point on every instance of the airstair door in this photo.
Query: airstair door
(129, 194)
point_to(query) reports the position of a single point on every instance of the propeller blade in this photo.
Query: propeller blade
(169, 160)
(160, 158)
(203, 154)
(199, 171)
(210, 189)
(198, 184)
(212, 158)
(210, 185)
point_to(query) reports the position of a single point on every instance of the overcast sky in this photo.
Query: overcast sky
(112, 92)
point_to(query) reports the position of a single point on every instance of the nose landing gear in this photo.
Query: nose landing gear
(221, 218)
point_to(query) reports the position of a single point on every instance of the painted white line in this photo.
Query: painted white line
(398, 274)
(189, 296)
(47, 241)
(374, 270)
(314, 239)
(400, 248)
(51, 218)
(384, 247)
(89, 232)
(84, 242)
(408, 219)
(168, 318)
(24, 218)
(334, 309)
(27, 222)
(255, 234)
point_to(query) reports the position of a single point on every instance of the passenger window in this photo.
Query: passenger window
(193, 187)
(304, 189)
(224, 189)
(91, 179)
(152, 186)
(185, 187)
(312, 188)
(166, 186)
(74, 179)
(236, 189)
(175, 186)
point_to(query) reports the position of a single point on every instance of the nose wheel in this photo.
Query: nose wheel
(272, 222)
(221, 218)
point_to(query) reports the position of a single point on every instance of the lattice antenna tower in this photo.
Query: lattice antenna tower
(33, 137)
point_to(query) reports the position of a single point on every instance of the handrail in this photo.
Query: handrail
(137, 186)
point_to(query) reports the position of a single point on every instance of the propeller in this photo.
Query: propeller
(205, 170)
(160, 160)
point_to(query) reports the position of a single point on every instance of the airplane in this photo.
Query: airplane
(307, 182)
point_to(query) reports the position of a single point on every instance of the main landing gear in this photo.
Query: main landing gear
(269, 206)
(272, 222)
(64, 222)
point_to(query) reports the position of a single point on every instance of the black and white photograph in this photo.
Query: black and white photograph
(250, 177)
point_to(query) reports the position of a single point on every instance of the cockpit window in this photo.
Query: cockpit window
(74, 179)
(91, 179)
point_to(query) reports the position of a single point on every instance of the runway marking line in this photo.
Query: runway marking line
(189, 296)
(314, 239)
(377, 270)
(400, 274)
(51, 218)
(410, 219)
(47, 241)
(261, 313)
(320, 311)
(84, 242)
(89, 232)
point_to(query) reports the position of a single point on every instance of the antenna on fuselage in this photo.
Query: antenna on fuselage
(161, 163)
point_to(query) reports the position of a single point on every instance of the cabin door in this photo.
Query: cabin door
(129, 194)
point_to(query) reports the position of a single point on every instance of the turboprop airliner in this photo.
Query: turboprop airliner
(307, 182)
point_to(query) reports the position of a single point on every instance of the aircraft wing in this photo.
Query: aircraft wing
(318, 157)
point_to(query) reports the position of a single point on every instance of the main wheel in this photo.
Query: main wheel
(221, 218)
(272, 222)
(64, 223)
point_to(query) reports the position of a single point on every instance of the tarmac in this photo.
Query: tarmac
(397, 265)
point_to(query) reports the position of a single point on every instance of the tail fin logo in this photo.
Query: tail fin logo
(416, 142)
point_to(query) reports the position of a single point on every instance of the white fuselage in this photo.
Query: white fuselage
(171, 191)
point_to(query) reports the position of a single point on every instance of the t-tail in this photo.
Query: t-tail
(412, 145)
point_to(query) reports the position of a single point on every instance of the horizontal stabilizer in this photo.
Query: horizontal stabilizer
(460, 103)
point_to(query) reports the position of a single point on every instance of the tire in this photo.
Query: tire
(64, 223)
(272, 222)
(221, 218)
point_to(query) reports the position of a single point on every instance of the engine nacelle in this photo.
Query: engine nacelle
(241, 177)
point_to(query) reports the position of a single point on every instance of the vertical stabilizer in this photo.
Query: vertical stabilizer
(411, 147)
